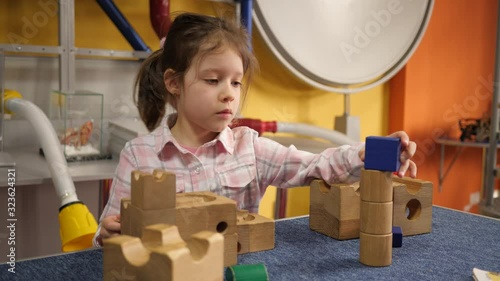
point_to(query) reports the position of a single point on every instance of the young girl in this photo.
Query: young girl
(203, 72)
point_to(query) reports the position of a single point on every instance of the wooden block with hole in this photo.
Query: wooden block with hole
(255, 232)
(133, 219)
(334, 210)
(161, 254)
(197, 211)
(412, 205)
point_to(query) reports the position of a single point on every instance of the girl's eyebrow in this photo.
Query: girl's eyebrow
(211, 70)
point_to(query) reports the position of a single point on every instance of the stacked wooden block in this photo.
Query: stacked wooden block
(339, 211)
(334, 210)
(375, 236)
(154, 201)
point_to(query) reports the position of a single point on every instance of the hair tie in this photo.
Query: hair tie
(162, 42)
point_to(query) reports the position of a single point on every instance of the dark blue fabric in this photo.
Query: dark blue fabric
(458, 243)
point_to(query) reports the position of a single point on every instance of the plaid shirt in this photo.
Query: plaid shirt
(237, 164)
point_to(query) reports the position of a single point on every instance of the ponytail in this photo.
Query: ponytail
(151, 91)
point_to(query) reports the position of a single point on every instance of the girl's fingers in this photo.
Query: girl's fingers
(410, 166)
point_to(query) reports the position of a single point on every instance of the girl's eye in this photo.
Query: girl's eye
(236, 84)
(211, 81)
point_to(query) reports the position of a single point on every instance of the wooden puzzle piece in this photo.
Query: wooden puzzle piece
(255, 232)
(197, 211)
(153, 191)
(163, 255)
(134, 219)
(334, 210)
(413, 205)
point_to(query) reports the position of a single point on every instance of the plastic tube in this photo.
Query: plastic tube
(257, 125)
(159, 15)
(314, 131)
(123, 25)
(47, 136)
(246, 16)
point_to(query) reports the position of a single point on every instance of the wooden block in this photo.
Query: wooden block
(375, 250)
(230, 249)
(334, 210)
(198, 211)
(376, 186)
(125, 222)
(382, 153)
(153, 191)
(138, 219)
(413, 205)
(163, 255)
(376, 218)
(255, 233)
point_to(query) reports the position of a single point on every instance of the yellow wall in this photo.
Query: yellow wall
(275, 95)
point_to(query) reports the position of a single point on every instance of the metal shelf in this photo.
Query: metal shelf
(443, 173)
(67, 53)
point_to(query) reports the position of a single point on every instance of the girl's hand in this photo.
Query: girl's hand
(408, 149)
(109, 226)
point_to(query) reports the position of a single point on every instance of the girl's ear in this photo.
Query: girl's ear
(171, 82)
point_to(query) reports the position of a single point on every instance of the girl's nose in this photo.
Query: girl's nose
(227, 93)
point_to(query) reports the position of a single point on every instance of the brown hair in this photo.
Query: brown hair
(189, 35)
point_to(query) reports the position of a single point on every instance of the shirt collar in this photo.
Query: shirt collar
(163, 136)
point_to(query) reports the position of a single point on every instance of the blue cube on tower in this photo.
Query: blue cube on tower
(382, 153)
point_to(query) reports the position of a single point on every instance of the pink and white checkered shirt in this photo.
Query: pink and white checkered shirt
(237, 164)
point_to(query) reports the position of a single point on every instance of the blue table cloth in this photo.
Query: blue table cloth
(458, 243)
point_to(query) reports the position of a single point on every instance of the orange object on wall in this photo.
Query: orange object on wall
(448, 78)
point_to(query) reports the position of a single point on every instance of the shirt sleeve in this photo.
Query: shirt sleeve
(120, 187)
(288, 167)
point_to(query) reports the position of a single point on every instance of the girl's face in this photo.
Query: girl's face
(210, 96)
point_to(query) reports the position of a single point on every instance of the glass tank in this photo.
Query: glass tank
(78, 120)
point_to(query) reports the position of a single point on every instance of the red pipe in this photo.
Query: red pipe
(159, 14)
(257, 125)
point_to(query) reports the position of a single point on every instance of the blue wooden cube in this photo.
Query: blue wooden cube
(382, 153)
(397, 237)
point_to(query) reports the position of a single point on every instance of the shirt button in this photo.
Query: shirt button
(197, 170)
